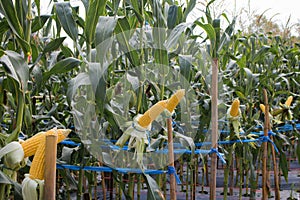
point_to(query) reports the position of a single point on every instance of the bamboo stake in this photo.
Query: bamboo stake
(265, 148)
(171, 159)
(276, 176)
(50, 167)
(214, 121)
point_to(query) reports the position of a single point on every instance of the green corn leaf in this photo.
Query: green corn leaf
(54, 44)
(105, 28)
(66, 19)
(185, 62)
(9, 11)
(17, 68)
(172, 16)
(97, 74)
(260, 54)
(283, 165)
(190, 6)
(211, 34)
(10, 14)
(96, 8)
(136, 8)
(172, 40)
(123, 34)
(75, 83)
(62, 66)
(39, 22)
(154, 193)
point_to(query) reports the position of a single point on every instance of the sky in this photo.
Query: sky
(281, 8)
(278, 11)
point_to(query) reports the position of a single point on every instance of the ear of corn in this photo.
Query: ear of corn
(234, 110)
(38, 164)
(151, 114)
(262, 107)
(174, 100)
(289, 100)
(30, 145)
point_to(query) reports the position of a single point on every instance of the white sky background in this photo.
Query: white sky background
(278, 11)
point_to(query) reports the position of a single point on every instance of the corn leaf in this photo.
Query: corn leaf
(190, 6)
(211, 34)
(62, 66)
(154, 193)
(66, 19)
(16, 67)
(172, 16)
(39, 22)
(54, 44)
(96, 8)
(75, 83)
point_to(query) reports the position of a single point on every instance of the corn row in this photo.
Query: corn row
(289, 101)
(175, 99)
(234, 110)
(151, 114)
(30, 146)
(38, 164)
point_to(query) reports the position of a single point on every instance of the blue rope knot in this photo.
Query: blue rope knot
(267, 139)
(171, 170)
(220, 155)
(271, 133)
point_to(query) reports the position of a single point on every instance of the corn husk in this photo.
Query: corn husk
(13, 155)
(137, 137)
(32, 189)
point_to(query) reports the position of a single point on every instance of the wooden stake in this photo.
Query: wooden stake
(265, 148)
(214, 122)
(50, 167)
(276, 175)
(171, 159)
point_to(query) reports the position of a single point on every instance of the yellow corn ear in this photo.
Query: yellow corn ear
(234, 110)
(175, 99)
(30, 145)
(262, 107)
(37, 167)
(151, 114)
(289, 101)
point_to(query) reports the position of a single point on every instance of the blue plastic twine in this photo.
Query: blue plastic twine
(171, 170)
(214, 150)
(267, 139)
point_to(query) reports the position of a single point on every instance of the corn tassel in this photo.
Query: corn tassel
(146, 119)
(175, 99)
(289, 101)
(30, 145)
(234, 110)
